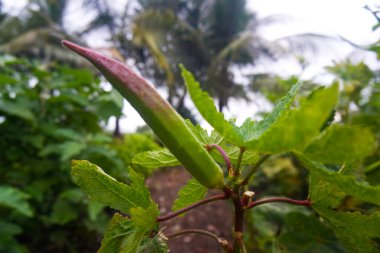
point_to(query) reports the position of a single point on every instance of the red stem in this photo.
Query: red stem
(222, 152)
(305, 202)
(185, 209)
(223, 242)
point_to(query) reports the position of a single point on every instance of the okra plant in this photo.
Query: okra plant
(227, 160)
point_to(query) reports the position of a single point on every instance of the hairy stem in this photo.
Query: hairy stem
(196, 204)
(223, 242)
(254, 168)
(305, 202)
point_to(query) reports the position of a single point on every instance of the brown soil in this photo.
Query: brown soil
(215, 217)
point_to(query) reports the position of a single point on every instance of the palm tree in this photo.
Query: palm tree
(37, 31)
(210, 37)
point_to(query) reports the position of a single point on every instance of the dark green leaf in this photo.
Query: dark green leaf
(14, 198)
(17, 110)
(307, 234)
(63, 212)
(356, 231)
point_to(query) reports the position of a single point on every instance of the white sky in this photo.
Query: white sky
(346, 18)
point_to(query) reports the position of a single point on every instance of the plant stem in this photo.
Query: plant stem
(194, 205)
(223, 242)
(223, 153)
(305, 202)
(238, 163)
(238, 224)
(372, 167)
(242, 246)
(254, 168)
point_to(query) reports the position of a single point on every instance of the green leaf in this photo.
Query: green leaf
(105, 189)
(122, 236)
(62, 133)
(66, 149)
(249, 157)
(207, 109)
(94, 209)
(307, 234)
(295, 129)
(71, 148)
(14, 198)
(119, 230)
(324, 193)
(17, 110)
(341, 144)
(145, 217)
(346, 183)
(253, 131)
(192, 192)
(354, 230)
(203, 136)
(268, 220)
(8, 243)
(63, 212)
(153, 245)
(155, 159)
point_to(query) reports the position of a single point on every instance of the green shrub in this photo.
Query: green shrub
(48, 116)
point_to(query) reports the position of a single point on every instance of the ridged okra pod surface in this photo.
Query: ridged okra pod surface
(165, 122)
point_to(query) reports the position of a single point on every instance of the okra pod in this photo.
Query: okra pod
(165, 122)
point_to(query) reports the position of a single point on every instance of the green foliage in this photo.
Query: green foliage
(129, 146)
(121, 236)
(279, 228)
(155, 159)
(206, 107)
(49, 115)
(297, 127)
(327, 190)
(192, 192)
(105, 189)
(280, 109)
(15, 199)
(302, 129)
(331, 146)
(345, 183)
(356, 231)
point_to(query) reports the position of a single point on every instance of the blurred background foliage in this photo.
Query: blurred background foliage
(54, 108)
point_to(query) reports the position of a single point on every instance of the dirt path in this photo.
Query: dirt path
(214, 217)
